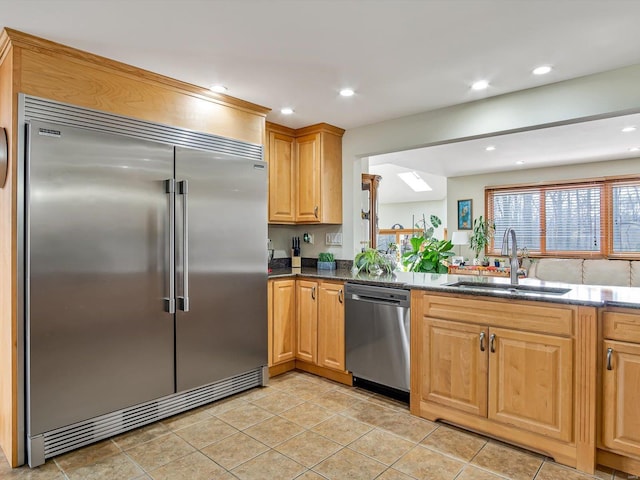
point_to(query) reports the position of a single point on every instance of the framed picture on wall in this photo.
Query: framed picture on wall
(465, 214)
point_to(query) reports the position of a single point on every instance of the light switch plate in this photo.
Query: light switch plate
(333, 238)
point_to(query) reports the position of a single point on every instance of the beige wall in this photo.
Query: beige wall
(606, 94)
(408, 212)
(472, 186)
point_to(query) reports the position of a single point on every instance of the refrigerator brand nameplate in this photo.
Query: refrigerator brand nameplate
(48, 132)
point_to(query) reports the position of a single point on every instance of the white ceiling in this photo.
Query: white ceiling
(593, 141)
(401, 56)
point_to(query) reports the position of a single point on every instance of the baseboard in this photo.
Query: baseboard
(618, 462)
(335, 375)
(281, 368)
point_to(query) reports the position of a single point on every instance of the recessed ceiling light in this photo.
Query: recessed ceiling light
(634, 149)
(414, 181)
(219, 88)
(480, 85)
(347, 92)
(629, 129)
(286, 111)
(542, 70)
(490, 148)
(520, 162)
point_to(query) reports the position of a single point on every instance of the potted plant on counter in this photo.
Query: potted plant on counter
(326, 261)
(428, 254)
(373, 262)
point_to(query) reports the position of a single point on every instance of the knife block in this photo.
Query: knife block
(295, 261)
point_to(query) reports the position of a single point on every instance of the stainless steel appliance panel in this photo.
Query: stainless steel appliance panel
(377, 334)
(98, 230)
(221, 323)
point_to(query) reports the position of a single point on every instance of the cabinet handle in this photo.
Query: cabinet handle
(340, 296)
(482, 341)
(313, 293)
(315, 212)
(492, 339)
(609, 354)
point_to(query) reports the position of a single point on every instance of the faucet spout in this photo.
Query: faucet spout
(513, 255)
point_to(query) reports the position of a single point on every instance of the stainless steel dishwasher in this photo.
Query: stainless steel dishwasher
(377, 335)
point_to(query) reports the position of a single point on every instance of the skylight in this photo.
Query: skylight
(414, 181)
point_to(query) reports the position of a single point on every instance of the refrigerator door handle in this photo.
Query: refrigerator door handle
(183, 301)
(170, 300)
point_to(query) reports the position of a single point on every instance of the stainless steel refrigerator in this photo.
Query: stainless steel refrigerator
(145, 281)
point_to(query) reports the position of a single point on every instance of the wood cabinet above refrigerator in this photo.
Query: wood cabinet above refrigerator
(305, 174)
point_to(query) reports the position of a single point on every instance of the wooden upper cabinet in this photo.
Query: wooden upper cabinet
(282, 315)
(531, 382)
(282, 175)
(621, 397)
(331, 337)
(308, 203)
(455, 374)
(305, 174)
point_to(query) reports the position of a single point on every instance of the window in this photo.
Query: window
(598, 218)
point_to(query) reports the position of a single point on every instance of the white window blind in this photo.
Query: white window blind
(626, 218)
(597, 218)
(521, 211)
(572, 219)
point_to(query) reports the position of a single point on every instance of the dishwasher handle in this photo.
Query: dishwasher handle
(365, 298)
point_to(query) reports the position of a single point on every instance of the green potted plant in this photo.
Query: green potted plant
(326, 261)
(428, 254)
(372, 261)
(482, 234)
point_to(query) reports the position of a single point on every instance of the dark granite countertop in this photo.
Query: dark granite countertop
(588, 295)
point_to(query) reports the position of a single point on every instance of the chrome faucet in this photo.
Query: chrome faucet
(513, 257)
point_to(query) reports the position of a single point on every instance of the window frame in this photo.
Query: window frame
(606, 185)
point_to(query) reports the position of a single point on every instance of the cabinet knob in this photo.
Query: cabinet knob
(315, 212)
(340, 296)
(492, 339)
(482, 341)
(313, 293)
(609, 355)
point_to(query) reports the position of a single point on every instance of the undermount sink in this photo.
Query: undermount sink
(507, 287)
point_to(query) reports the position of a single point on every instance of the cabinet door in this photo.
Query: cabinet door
(283, 321)
(331, 351)
(308, 204)
(621, 397)
(531, 382)
(282, 180)
(307, 320)
(455, 371)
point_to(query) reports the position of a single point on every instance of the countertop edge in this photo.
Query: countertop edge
(580, 295)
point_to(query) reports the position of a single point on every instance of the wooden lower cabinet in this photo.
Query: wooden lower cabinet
(320, 322)
(621, 397)
(620, 387)
(455, 365)
(306, 328)
(507, 369)
(531, 382)
(307, 321)
(331, 344)
(282, 325)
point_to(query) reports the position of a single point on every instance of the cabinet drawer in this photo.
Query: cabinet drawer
(531, 316)
(621, 326)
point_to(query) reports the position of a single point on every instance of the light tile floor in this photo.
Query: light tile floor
(300, 427)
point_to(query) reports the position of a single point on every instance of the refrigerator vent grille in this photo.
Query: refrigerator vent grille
(73, 116)
(83, 433)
